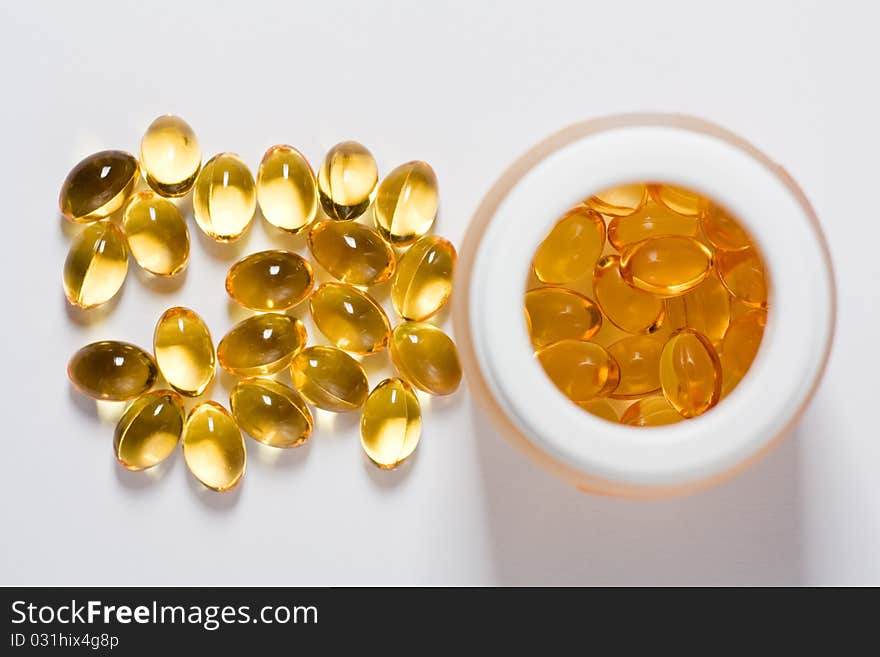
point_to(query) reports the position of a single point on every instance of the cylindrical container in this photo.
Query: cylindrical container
(498, 359)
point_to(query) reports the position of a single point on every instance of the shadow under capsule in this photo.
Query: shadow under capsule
(212, 499)
(141, 479)
(161, 284)
(96, 314)
(389, 479)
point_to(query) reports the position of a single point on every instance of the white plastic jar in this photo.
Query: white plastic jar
(498, 359)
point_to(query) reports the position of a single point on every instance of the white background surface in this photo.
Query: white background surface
(466, 86)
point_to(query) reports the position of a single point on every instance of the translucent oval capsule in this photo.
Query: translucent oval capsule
(626, 307)
(184, 351)
(678, 199)
(652, 411)
(653, 220)
(170, 155)
(620, 201)
(666, 266)
(98, 186)
(352, 252)
(286, 189)
(213, 447)
(157, 234)
(347, 180)
(225, 198)
(555, 313)
(723, 231)
(583, 371)
(707, 308)
(262, 344)
(349, 318)
(271, 412)
(391, 423)
(690, 373)
(149, 430)
(422, 282)
(742, 273)
(638, 358)
(96, 265)
(572, 248)
(426, 358)
(329, 378)
(406, 203)
(270, 280)
(600, 408)
(740, 346)
(112, 371)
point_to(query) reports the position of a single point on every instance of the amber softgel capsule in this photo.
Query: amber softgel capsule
(270, 280)
(286, 189)
(555, 313)
(690, 373)
(349, 318)
(149, 430)
(666, 266)
(96, 265)
(112, 371)
(352, 253)
(406, 203)
(620, 201)
(213, 447)
(271, 412)
(572, 248)
(262, 344)
(347, 180)
(329, 378)
(170, 156)
(224, 198)
(422, 283)
(582, 370)
(426, 357)
(98, 186)
(157, 234)
(631, 309)
(184, 351)
(391, 424)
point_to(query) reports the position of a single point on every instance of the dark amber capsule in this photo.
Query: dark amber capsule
(112, 371)
(723, 231)
(422, 282)
(270, 280)
(742, 273)
(583, 371)
(631, 310)
(213, 447)
(349, 318)
(690, 373)
(666, 266)
(426, 357)
(554, 313)
(98, 186)
(571, 249)
(638, 357)
(391, 423)
(262, 344)
(351, 252)
(329, 378)
(96, 265)
(271, 413)
(149, 430)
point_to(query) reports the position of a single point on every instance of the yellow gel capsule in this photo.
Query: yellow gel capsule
(184, 351)
(554, 314)
(581, 370)
(406, 203)
(170, 155)
(571, 249)
(690, 373)
(347, 180)
(422, 282)
(157, 234)
(723, 231)
(329, 378)
(620, 201)
(652, 411)
(426, 357)
(740, 346)
(638, 358)
(653, 220)
(707, 309)
(629, 309)
(225, 198)
(96, 265)
(270, 280)
(349, 318)
(112, 371)
(352, 252)
(98, 186)
(742, 273)
(149, 430)
(261, 345)
(213, 447)
(666, 266)
(391, 423)
(600, 408)
(286, 189)
(677, 199)
(271, 412)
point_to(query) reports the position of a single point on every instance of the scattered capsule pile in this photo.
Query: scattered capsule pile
(646, 304)
(102, 192)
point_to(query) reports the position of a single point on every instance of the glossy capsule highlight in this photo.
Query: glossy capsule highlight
(157, 234)
(271, 412)
(555, 313)
(628, 308)
(352, 253)
(170, 156)
(391, 424)
(422, 282)
(262, 344)
(112, 371)
(690, 373)
(286, 189)
(96, 265)
(620, 201)
(98, 186)
(572, 248)
(347, 180)
(638, 358)
(149, 430)
(666, 266)
(184, 351)
(224, 198)
(213, 447)
(349, 318)
(582, 370)
(406, 203)
(652, 220)
(270, 280)
(329, 378)
(426, 358)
